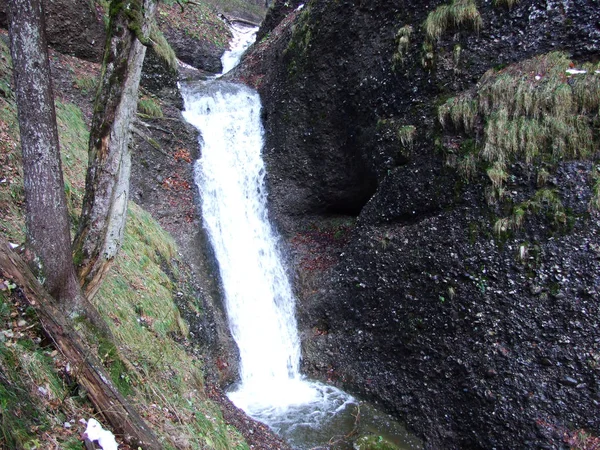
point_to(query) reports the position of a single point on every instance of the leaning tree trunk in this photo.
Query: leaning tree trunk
(85, 367)
(104, 211)
(48, 236)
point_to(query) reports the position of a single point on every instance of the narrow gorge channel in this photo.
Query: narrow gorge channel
(258, 295)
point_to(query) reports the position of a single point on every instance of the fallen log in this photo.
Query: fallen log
(86, 367)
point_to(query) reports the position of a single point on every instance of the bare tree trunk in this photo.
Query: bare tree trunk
(48, 236)
(104, 212)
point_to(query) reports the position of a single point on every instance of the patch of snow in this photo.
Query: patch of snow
(95, 432)
(576, 71)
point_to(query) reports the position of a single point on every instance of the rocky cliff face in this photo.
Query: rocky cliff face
(411, 291)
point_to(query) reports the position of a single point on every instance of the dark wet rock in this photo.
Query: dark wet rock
(73, 27)
(197, 53)
(569, 381)
(159, 79)
(468, 336)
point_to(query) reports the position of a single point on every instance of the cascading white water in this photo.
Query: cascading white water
(242, 37)
(259, 300)
(258, 296)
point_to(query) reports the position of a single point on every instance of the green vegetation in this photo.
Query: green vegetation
(543, 201)
(403, 39)
(301, 33)
(34, 398)
(458, 14)
(393, 131)
(199, 20)
(87, 84)
(533, 112)
(374, 442)
(149, 360)
(406, 135)
(149, 107)
(162, 48)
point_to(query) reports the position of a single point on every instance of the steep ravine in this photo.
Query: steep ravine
(407, 294)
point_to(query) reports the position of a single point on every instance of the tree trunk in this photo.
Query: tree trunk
(48, 236)
(104, 212)
(86, 368)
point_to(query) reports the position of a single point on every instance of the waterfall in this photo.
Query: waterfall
(242, 37)
(258, 296)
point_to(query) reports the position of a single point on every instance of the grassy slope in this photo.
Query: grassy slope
(149, 360)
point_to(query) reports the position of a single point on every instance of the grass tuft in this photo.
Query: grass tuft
(403, 40)
(406, 135)
(88, 84)
(533, 112)
(458, 14)
(150, 107)
(162, 48)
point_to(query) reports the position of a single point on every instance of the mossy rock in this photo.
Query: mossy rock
(373, 442)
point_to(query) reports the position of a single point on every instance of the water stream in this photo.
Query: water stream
(258, 296)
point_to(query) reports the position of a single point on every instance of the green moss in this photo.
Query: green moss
(300, 41)
(109, 355)
(373, 442)
(544, 201)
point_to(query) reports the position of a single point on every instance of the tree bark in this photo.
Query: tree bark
(86, 368)
(47, 221)
(104, 212)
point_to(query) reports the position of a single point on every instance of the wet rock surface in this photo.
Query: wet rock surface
(73, 27)
(476, 340)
